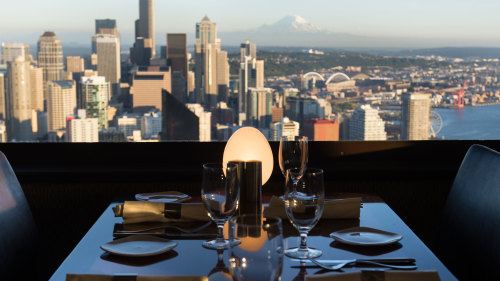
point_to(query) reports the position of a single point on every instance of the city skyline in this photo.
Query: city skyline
(437, 23)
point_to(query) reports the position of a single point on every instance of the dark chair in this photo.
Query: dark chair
(469, 236)
(17, 229)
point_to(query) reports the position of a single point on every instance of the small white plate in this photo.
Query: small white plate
(139, 246)
(364, 236)
(163, 197)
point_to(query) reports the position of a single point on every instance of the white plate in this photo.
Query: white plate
(364, 236)
(139, 246)
(163, 197)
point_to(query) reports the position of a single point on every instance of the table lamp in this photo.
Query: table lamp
(249, 148)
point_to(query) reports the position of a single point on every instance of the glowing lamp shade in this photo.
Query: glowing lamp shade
(249, 144)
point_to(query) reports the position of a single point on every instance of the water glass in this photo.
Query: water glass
(220, 194)
(304, 202)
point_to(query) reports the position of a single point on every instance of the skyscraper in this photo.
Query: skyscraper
(10, 51)
(50, 57)
(222, 75)
(416, 117)
(251, 73)
(178, 62)
(37, 95)
(147, 87)
(106, 26)
(96, 93)
(18, 101)
(367, 125)
(259, 107)
(2, 97)
(146, 24)
(107, 48)
(61, 103)
(206, 48)
(204, 121)
(75, 64)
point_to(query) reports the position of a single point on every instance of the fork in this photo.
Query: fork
(183, 230)
(346, 263)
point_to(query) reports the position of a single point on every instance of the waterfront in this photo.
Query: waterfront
(470, 123)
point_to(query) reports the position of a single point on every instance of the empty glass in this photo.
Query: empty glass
(259, 256)
(294, 154)
(220, 194)
(304, 201)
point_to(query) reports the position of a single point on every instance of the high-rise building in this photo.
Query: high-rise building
(61, 103)
(259, 107)
(416, 117)
(18, 100)
(151, 125)
(75, 64)
(50, 57)
(147, 87)
(178, 62)
(179, 123)
(204, 121)
(286, 128)
(251, 72)
(146, 24)
(10, 51)
(207, 47)
(3, 132)
(37, 94)
(322, 130)
(3, 115)
(82, 129)
(96, 93)
(142, 52)
(367, 125)
(106, 26)
(107, 48)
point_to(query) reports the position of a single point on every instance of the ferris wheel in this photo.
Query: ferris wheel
(436, 124)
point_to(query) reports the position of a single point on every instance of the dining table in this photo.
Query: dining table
(189, 258)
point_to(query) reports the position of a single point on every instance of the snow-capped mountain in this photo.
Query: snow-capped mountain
(290, 24)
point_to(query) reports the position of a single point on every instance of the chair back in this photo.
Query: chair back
(17, 228)
(469, 236)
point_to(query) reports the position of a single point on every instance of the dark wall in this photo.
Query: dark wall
(69, 185)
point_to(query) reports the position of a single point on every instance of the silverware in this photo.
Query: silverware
(362, 262)
(395, 261)
(183, 230)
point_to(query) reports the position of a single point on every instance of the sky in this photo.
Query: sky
(25, 20)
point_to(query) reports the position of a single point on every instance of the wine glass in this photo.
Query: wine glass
(259, 256)
(221, 194)
(294, 154)
(304, 203)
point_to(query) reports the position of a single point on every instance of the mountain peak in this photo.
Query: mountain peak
(292, 23)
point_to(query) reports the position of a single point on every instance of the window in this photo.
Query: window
(390, 70)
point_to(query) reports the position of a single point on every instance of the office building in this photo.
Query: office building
(107, 49)
(106, 26)
(367, 125)
(96, 93)
(259, 107)
(81, 129)
(3, 112)
(204, 121)
(151, 125)
(18, 101)
(223, 114)
(3, 132)
(178, 61)
(128, 124)
(248, 49)
(146, 24)
(147, 87)
(142, 52)
(277, 113)
(286, 128)
(50, 57)
(37, 90)
(75, 64)
(416, 117)
(207, 51)
(222, 76)
(10, 51)
(61, 103)
(251, 72)
(307, 108)
(179, 123)
(322, 130)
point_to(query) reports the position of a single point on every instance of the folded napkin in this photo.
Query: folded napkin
(138, 212)
(334, 209)
(379, 276)
(75, 277)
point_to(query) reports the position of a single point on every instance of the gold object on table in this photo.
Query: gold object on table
(138, 211)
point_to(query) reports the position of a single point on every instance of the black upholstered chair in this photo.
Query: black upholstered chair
(469, 237)
(17, 229)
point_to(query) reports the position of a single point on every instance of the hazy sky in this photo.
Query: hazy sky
(24, 20)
